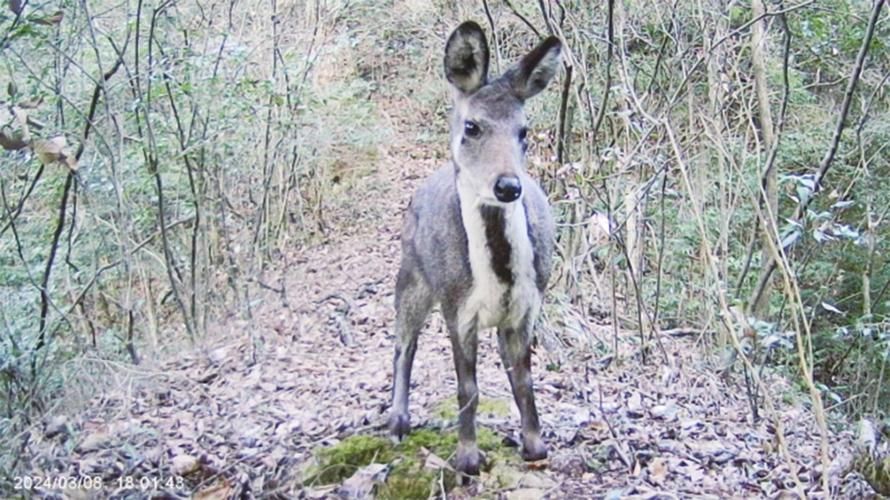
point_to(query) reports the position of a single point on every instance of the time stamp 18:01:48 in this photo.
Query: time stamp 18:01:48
(97, 482)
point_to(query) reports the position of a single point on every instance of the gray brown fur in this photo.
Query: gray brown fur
(484, 258)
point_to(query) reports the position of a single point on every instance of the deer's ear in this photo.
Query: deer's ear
(532, 73)
(466, 58)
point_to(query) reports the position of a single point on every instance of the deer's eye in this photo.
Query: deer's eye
(523, 134)
(471, 129)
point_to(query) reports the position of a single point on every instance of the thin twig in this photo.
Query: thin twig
(494, 36)
(607, 88)
(522, 18)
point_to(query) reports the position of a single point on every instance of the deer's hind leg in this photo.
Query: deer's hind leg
(414, 299)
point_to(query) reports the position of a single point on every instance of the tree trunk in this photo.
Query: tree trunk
(770, 199)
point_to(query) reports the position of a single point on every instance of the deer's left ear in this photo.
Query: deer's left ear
(532, 73)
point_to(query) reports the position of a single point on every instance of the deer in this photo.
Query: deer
(477, 239)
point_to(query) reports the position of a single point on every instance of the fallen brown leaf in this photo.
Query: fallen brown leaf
(220, 490)
(51, 20)
(183, 465)
(54, 150)
(658, 470)
(93, 442)
(361, 484)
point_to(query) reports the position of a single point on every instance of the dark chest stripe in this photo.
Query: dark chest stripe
(496, 239)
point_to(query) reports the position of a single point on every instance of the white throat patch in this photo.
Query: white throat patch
(489, 303)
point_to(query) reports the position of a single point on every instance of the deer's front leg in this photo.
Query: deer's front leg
(515, 349)
(464, 342)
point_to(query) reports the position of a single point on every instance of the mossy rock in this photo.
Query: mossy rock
(408, 478)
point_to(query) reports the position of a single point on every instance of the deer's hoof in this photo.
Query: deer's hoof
(399, 425)
(533, 448)
(468, 460)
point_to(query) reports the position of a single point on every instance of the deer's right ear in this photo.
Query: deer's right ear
(466, 58)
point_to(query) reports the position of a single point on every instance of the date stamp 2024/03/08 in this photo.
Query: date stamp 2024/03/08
(30, 483)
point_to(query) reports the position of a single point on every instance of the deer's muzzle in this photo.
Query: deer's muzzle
(507, 188)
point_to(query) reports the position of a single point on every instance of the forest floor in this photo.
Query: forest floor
(248, 415)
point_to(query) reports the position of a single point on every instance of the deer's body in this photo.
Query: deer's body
(448, 243)
(477, 239)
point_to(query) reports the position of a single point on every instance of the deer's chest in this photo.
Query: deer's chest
(502, 263)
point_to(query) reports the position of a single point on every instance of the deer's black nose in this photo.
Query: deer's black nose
(507, 188)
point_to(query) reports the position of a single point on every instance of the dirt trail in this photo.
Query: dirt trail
(242, 418)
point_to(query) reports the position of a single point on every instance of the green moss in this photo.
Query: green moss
(444, 444)
(441, 443)
(343, 459)
(447, 408)
(409, 478)
(488, 441)
(408, 484)
(598, 459)
(505, 476)
(496, 407)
